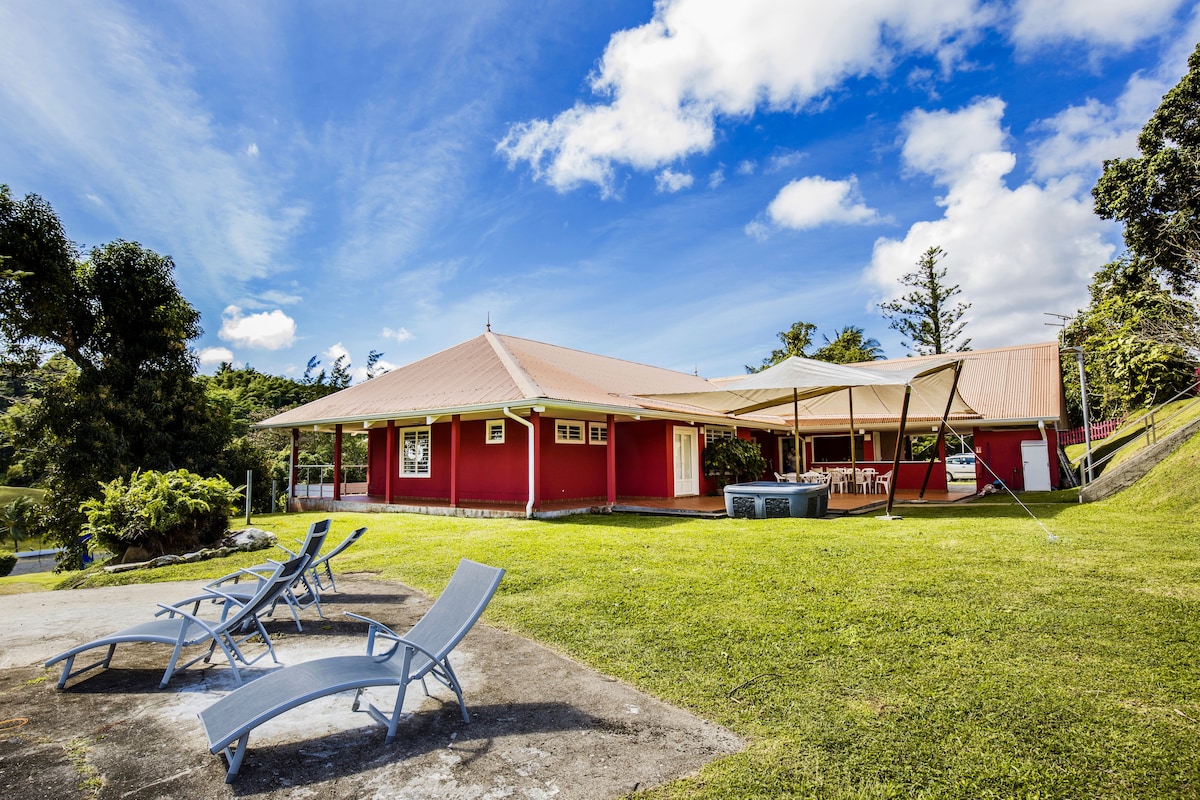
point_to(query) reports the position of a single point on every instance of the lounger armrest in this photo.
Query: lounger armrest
(244, 572)
(377, 628)
(212, 632)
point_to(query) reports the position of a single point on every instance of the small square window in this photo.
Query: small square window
(715, 434)
(495, 431)
(597, 433)
(568, 432)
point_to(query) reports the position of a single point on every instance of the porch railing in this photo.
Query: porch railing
(317, 480)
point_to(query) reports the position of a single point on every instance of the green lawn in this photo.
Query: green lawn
(957, 652)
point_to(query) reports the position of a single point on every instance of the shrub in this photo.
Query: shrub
(7, 562)
(159, 513)
(734, 458)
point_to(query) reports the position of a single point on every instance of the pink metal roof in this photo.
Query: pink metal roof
(1023, 382)
(493, 370)
(490, 371)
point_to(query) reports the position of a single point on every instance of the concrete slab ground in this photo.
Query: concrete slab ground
(542, 725)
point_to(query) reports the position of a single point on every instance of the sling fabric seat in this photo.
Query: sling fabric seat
(230, 585)
(422, 652)
(238, 622)
(321, 563)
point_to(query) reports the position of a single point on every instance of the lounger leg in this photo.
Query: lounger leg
(395, 720)
(234, 757)
(171, 665)
(112, 648)
(66, 673)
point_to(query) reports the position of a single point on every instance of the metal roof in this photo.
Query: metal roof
(493, 370)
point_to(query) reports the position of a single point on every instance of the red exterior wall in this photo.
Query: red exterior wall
(642, 466)
(493, 472)
(1001, 450)
(573, 471)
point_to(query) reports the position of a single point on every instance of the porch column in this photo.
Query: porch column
(535, 419)
(455, 440)
(611, 456)
(337, 462)
(295, 476)
(390, 463)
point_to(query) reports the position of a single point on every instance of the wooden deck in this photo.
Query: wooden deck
(704, 507)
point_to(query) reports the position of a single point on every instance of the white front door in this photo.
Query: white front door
(687, 454)
(1035, 463)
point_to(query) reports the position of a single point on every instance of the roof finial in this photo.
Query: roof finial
(489, 322)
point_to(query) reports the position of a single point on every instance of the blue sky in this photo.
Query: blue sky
(672, 183)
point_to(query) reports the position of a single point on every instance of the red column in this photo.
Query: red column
(455, 439)
(536, 420)
(611, 478)
(295, 457)
(392, 465)
(337, 462)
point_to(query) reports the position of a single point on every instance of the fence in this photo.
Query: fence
(353, 480)
(1100, 430)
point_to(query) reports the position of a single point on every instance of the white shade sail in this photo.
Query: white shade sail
(820, 389)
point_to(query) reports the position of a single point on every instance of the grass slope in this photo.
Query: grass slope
(956, 653)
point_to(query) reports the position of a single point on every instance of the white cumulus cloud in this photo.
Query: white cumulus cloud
(1116, 22)
(269, 330)
(814, 201)
(1015, 252)
(398, 334)
(663, 85)
(671, 181)
(212, 356)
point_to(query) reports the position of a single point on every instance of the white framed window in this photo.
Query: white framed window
(715, 433)
(415, 448)
(495, 431)
(568, 431)
(597, 433)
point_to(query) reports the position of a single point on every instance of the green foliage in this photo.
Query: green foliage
(1129, 363)
(924, 315)
(850, 346)
(7, 562)
(796, 341)
(118, 392)
(171, 512)
(739, 459)
(16, 518)
(1155, 194)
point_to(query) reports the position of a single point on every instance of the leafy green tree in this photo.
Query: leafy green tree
(736, 459)
(16, 518)
(1157, 195)
(850, 346)
(796, 341)
(924, 316)
(121, 394)
(1128, 363)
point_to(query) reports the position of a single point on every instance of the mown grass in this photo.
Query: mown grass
(1166, 423)
(958, 652)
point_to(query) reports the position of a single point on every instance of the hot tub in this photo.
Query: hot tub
(767, 500)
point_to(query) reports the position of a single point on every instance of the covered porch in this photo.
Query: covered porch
(711, 507)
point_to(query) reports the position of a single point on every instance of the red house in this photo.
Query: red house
(499, 422)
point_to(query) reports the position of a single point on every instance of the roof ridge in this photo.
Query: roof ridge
(525, 382)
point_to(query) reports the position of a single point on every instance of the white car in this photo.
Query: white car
(960, 467)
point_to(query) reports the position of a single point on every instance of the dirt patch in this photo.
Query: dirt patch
(541, 725)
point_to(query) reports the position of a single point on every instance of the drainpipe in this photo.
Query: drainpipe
(529, 426)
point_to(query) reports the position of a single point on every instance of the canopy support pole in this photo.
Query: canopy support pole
(795, 433)
(853, 462)
(941, 437)
(896, 458)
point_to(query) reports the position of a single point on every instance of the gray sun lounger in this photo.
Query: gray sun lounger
(321, 563)
(238, 622)
(422, 652)
(302, 593)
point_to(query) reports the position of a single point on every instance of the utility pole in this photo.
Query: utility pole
(1083, 396)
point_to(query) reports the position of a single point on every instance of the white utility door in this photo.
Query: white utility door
(687, 454)
(1035, 463)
